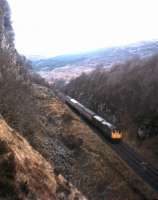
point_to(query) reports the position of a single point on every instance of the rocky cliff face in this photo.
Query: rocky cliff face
(7, 48)
(24, 173)
(6, 31)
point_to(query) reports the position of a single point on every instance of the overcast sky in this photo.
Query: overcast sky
(53, 27)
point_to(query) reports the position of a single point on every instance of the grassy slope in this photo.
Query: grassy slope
(147, 148)
(25, 174)
(80, 156)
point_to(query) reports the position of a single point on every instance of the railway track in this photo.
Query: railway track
(141, 167)
(144, 169)
(134, 160)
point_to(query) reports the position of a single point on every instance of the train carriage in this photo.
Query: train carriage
(109, 130)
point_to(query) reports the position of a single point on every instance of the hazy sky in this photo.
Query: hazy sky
(53, 27)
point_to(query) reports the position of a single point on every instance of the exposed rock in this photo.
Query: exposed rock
(25, 174)
(77, 153)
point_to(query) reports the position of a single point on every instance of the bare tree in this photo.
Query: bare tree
(126, 95)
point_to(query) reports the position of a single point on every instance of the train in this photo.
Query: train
(107, 129)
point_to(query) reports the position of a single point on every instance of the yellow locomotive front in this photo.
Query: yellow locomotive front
(116, 135)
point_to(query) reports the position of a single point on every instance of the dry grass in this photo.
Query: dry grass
(85, 160)
(25, 174)
(23, 171)
(147, 148)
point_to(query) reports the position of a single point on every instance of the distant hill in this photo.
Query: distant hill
(83, 62)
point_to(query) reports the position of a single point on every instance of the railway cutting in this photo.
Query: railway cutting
(110, 134)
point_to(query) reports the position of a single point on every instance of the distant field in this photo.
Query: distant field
(75, 64)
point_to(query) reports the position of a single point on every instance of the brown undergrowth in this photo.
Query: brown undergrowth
(147, 148)
(83, 158)
(25, 174)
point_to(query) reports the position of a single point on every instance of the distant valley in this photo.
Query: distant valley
(66, 67)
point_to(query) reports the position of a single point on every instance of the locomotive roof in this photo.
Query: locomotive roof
(107, 123)
(97, 117)
(74, 101)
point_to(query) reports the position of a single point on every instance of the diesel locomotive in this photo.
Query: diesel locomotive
(109, 130)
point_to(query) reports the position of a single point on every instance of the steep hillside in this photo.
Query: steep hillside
(16, 92)
(126, 96)
(81, 157)
(46, 151)
(25, 174)
(70, 66)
